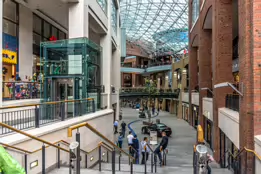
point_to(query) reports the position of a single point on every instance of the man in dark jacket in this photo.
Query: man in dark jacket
(123, 128)
(136, 147)
(163, 145)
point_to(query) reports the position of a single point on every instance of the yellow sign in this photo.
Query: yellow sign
(9, 56)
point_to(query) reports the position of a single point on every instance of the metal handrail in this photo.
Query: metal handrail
(70, 129)
(33, 137)
(45, 103)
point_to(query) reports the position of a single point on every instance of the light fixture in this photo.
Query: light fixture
(92, 158)
(103, 154)
(33, 164)
(207, 89)
(227, 84)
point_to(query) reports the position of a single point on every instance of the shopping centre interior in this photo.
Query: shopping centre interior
(75, 71)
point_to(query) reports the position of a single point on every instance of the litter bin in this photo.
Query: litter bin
(157, 121)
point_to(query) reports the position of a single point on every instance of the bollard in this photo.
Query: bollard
(151, 162)
(78, 151)
(58, 162)
(43, 159)
(100, 158)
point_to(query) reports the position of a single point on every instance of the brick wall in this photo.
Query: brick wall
(222, 60)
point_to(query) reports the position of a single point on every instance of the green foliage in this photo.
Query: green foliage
(150, 86)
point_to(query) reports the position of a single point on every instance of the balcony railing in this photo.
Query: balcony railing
(20, 90)
(232, 101)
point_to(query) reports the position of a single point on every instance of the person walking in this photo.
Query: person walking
(130, 142)
(120, 140)
(144, 150)
(163, 145)
(116, 123)
(123, 128)
(136, 148)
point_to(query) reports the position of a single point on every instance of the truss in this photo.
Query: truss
(156, 24)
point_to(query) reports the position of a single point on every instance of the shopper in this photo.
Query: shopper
(130, 142)
(163, 145)
(144, 150)
(136, 149)
(116, 123)
(123, 128)
(120, 140)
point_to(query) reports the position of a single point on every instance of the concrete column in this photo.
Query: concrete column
(165, 89)
(79, 19)
(133, 80)
(205, 66)
(184, 79)
(25, 42)
(1, 57)
(174, 80)
(222, 61)
(157, 104)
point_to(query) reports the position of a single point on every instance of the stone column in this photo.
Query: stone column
(222, 61)
(133, 80)
(157, 104)
(174, 80)
(183, 85)
(165, 89)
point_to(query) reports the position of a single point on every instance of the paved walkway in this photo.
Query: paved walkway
(180, 143)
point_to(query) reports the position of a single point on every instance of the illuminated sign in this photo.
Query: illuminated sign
(9, 56)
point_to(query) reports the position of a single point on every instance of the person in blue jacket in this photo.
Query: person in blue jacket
(136, 147)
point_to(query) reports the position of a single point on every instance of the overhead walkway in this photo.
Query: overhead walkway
(145, 92)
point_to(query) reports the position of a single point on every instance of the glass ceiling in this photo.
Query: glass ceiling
(156, 25)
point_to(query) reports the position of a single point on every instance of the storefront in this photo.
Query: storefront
(208, 129)
(43, 31)
(226, 145)
(10, 44)
(185, 111)
(195, 116)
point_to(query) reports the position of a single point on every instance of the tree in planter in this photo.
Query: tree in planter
(151, 89)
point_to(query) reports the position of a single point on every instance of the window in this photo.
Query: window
(10, 10)
(37, 24)
(62, 35)
(9, 27)
(36, 39)
(46, 33)
(103, 4)
(55, 32)
(114, 17)
(195, 11)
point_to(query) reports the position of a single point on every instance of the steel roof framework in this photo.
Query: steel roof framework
(150, 22)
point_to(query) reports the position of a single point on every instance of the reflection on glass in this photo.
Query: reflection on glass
(195, 11)
(103, 4)
(9, 10)
(37, 24)
(9, 27)
(114, 17)
(46, 29)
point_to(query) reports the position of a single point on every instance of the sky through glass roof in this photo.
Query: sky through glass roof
(156, 24)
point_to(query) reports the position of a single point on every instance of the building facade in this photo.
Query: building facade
(224, 69)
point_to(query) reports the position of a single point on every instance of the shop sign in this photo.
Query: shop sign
(9, 56)
(153, 138)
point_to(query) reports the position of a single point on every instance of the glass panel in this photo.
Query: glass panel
(54, 32)
(10, 10)
(195, 11)
(61, 35)
(47, 29)
(9, 27)
(36, 39)
(114, 17)
(37, 24)
(103, 4)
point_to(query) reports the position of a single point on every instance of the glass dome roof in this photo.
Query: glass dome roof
(156, 25)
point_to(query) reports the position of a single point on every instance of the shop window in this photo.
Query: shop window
(37, 24)
(9, 27)
(10, 10)
(46, 33)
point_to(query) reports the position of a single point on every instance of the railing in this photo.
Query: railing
(110, 145)
(21, 90)
(101, 149)
(146, 90)
(232, 101)
(35, 115)
(235, 161)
